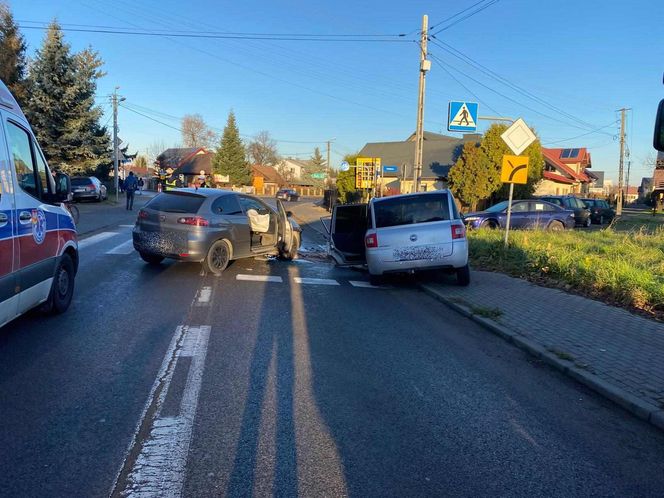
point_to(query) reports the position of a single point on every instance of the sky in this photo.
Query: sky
(568, 65)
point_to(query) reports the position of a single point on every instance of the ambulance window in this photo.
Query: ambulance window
(19, 143)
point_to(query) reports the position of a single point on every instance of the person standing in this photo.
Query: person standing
(131, 184)
(141, 183)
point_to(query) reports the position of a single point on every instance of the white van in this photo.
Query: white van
(38, 241)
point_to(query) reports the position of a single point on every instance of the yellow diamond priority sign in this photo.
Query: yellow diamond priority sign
(515, 169)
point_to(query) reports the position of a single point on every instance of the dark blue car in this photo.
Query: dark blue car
(526, 214)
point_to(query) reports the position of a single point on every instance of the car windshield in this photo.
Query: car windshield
(497, 208)
(173, 202)
(410, 210)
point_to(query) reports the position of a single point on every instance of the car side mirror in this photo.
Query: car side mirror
(658, 138)
(289, 214)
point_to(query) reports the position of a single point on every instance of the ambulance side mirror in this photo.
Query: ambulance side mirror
(658, 139)
(62, 187)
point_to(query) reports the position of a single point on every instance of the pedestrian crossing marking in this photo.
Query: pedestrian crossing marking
(124, 248)
(259, 278)
(315, 281)
(95, 238)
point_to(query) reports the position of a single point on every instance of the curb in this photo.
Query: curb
(636, 406)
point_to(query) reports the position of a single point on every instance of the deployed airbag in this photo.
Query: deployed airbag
(259, 223)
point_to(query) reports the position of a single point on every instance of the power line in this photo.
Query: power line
(312, 38)
(455, 15)
(497, 77)
(470, 14)
(582, 135)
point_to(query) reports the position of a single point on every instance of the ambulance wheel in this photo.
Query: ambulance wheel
(62, 288)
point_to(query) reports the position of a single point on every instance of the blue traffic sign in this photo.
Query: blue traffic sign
(390, 169)
(462, 116)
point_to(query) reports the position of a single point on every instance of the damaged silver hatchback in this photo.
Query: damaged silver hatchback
(213, 227)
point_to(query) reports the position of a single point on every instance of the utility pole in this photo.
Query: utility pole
(425, 65)
(619, 204)
(116, 173)
(328, 164)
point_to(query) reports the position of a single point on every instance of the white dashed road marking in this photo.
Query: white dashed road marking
(159, 468)
(95, 238)
(315, 281)
(259, 278)
(365, 285)
(124, 248)
(203, 296)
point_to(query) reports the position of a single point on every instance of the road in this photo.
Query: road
(291, 379)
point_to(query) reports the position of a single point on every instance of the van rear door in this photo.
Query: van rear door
(347, 230)
(8, 240)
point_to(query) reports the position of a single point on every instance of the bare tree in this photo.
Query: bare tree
(153, 150)
(263, 149)
(196, 133)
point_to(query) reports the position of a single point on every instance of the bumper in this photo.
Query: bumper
(85, 195)
(175, 245)
(378, 260)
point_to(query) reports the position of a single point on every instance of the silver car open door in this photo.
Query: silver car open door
(347, 229)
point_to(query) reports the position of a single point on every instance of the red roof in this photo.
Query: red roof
(557, 178)
(552, 156)
(573, 156)
(270, 174)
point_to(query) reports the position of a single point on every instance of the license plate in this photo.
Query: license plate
(416, 253)
(79, 190)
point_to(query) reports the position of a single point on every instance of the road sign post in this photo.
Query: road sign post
(515, 170)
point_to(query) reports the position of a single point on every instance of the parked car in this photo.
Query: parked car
(38, 240)
(88, 188)
(288, 194)
(581, 212)
(526, 214)
(403, 233)
(600, 211)
(213, 227)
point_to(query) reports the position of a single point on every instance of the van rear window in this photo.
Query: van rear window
(409, 210)
(175, 202)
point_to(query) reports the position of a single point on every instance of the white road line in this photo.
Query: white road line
(159, 468)
(124, 248)
(259, 278)
(126, 226)
(95, 238)
(315, 281)
(203, 297)
(365, 285)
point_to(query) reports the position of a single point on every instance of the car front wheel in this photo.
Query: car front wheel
(218, 257)
(556, 226)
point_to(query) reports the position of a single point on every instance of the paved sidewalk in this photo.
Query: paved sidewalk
(618, 354)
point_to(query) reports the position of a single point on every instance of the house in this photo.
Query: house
(631, 194)
(439, 153)
(266, 180)
(292, 169)
(565, 172)
(645, 190)
(192, 166)
(174, 157)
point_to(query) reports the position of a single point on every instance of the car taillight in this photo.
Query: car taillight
(371, 240)
(90, 187)
(458, 232)
(143, 215)
(196, 221)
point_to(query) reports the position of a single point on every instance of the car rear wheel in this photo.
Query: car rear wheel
(218, 257)
(556, 226)
(153, 259)
(489, 224)
(62, 289)
(463, 275)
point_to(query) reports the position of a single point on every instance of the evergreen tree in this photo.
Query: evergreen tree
(230, 157)
(315, 165)
(12, 55)
(471, 178)
(61, 105)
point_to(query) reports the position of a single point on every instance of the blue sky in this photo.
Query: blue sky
(585, 58)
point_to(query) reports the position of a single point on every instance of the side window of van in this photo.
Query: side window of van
(19, 144)
(44, 174)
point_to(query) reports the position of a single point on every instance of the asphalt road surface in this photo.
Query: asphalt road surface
(291, 379)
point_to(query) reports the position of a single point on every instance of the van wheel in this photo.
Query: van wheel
(62, 289)
(218, 257)
(153, 259)
(463, 275)
(292, 254)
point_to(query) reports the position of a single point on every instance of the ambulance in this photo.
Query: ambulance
(38, 241)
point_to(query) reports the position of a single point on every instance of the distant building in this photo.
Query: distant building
(266, 180)
(566, 172)
(174, 157)
(292, 169)
(439, 154)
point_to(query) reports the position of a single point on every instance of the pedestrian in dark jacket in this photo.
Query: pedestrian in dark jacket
(130, 185)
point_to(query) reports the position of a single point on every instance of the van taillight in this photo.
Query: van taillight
(196, 221)
(143, 215)
(458, 232)
(371, 240)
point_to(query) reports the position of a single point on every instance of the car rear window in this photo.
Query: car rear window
(411, 210)
(77, 182)
(172, 202)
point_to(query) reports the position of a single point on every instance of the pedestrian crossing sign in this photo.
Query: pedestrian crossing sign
(462, 116)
